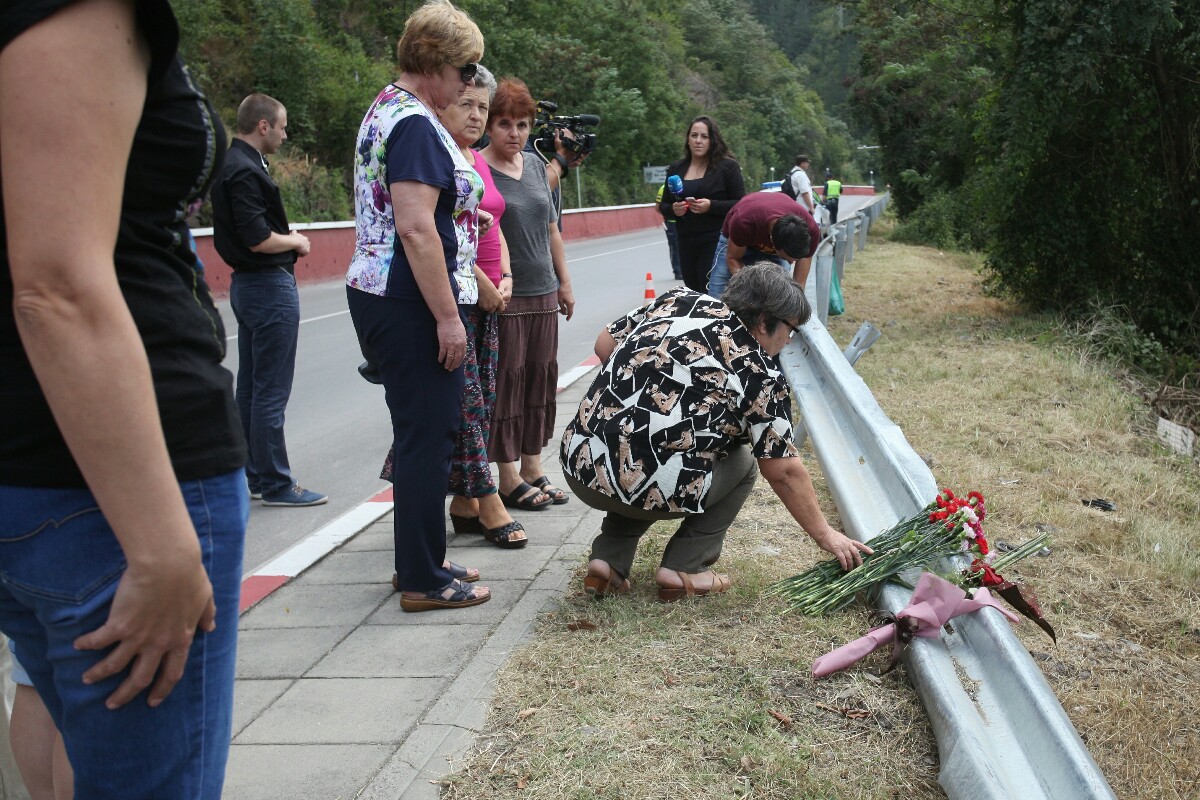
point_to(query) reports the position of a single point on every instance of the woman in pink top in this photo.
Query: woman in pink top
(475, 507)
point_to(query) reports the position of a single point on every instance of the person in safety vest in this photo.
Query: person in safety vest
(833, 191)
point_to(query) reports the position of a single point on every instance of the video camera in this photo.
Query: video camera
(547, 124)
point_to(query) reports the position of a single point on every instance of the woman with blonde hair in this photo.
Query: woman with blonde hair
(417, 208)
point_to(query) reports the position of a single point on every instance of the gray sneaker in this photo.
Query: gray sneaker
(296, 496)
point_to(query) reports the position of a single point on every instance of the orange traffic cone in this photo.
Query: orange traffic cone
(649, 287)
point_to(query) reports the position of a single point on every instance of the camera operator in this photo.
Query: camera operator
(562, 161)
(557, 164)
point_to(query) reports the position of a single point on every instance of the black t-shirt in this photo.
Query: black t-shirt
(722, 184)
(176, 152)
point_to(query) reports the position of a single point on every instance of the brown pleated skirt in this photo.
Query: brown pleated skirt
(526, 378)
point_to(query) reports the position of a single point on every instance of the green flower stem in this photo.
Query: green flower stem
(913, 542)
(1024, 551)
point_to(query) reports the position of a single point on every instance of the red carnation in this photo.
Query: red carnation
(989, 576)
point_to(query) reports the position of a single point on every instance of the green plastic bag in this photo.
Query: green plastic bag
(837, 304)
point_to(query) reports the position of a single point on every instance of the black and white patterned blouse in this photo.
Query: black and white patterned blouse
(686, 382)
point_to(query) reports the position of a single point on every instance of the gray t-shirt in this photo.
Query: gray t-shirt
(528, 214)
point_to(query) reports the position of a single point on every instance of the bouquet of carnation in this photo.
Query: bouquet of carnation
(947, 527)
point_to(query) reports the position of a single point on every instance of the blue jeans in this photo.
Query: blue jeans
(718, 278)
(267, 308)
(673, 247)
(59, 568)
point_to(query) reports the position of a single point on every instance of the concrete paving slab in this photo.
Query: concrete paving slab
(505, 594)
(351, 566)
(284, 652)
(307, 772)
(391, 697)
(344, 711)
(373, 538)
(403, 651)
(414, 771)
(311, 606)
(252, 697)
(495, 564)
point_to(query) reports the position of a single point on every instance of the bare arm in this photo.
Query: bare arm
(77, 330)
(282, 243)
(605, 345)
(790, 481)
(800, 270)
(566, 296)
(733, 257)
(489, 296)
(413, 205)
(506, 281)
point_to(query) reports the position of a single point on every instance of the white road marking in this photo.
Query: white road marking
(303, 321)
(569, 261)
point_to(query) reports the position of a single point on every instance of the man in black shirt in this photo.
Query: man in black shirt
(250, 231)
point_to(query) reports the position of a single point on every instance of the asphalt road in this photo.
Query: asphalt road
(337, 424)
(337, 428)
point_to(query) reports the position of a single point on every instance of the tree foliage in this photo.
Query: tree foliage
(645, 66)
(1059, 136)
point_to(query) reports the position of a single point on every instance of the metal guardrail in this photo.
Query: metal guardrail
(1001, 732)
(837, 248)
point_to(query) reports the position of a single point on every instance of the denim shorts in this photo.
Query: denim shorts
(19, 675)
(60, 565)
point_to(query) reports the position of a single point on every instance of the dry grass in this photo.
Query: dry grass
(712, 699)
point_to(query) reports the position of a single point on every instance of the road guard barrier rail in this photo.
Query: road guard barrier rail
(1001, 732)
(837, 248)
(333, 242)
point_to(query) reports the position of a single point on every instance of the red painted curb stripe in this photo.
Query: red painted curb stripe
(256, 587)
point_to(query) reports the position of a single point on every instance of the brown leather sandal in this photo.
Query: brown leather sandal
(602, 586)
(462, 595)
(720, 585)
(457, 572)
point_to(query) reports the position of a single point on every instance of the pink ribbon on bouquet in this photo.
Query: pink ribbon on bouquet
(934, 602)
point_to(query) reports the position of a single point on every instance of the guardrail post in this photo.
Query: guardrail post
(851, 238)
(822, 278)
(864, 222)
(866, 336)
(838, 232)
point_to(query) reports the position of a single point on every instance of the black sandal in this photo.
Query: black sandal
(501, 536)
(517, 499)
(462, 596)
(557, 496)
(464, 524)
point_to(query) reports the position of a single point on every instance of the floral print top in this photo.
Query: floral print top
(686, 382)
(401, 140)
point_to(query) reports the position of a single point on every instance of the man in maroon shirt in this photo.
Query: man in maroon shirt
(766, 226)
